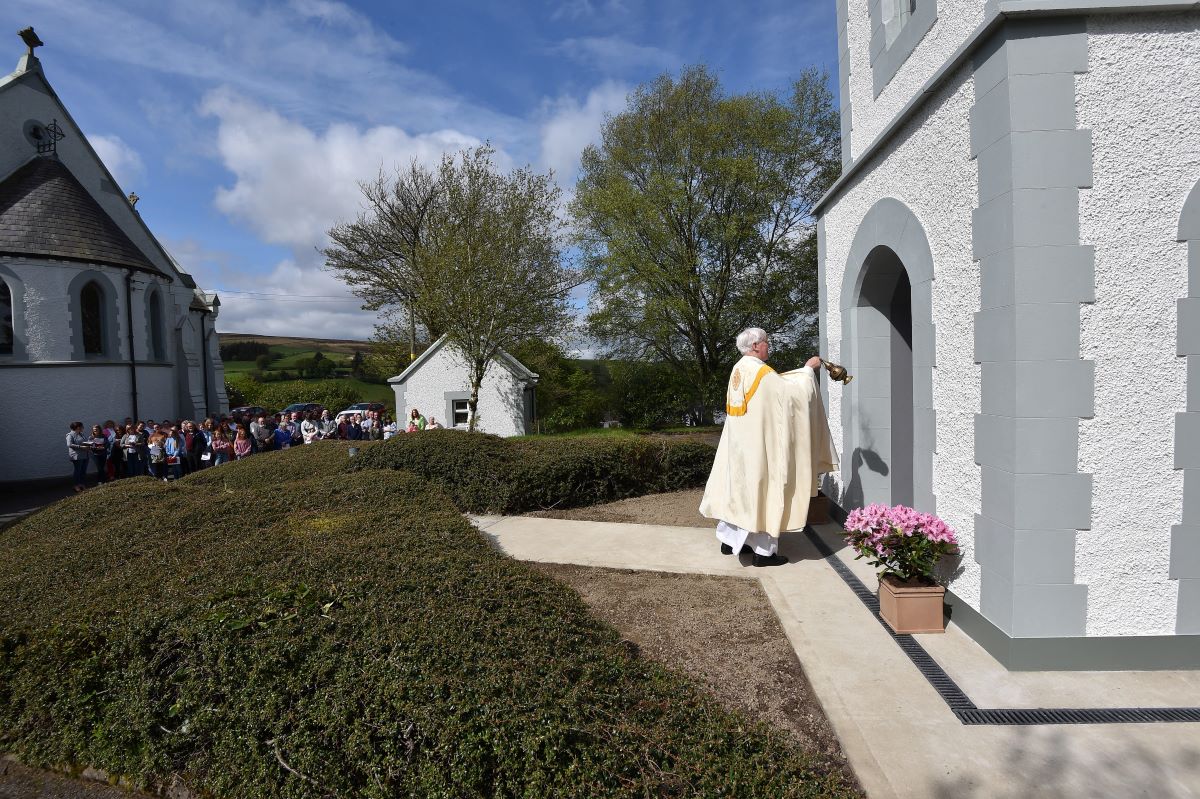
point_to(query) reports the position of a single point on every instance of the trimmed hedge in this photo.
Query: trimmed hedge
(488, 474)
(333, 394)
(347, 636)
(278, 468)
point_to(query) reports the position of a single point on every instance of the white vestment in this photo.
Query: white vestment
(774, 445)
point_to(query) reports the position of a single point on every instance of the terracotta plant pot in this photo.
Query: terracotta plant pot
(911, 608)
(818, 510)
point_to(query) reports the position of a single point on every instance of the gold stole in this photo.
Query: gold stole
(736, 383)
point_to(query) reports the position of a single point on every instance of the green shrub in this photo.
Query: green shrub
(346, 636)
(279, 468)
(489, 474)
(333, 394)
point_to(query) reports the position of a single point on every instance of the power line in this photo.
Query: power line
(271, 296)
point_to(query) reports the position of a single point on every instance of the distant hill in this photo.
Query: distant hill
(347, 346)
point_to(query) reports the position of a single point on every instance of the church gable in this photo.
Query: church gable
(45, 212)
(27, 101)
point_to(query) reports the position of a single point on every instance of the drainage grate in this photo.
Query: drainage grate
(961, 704)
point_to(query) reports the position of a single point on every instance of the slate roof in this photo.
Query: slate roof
(46, 212)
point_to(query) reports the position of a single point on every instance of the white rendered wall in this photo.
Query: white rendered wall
(501, 403)
(1141, 99)
(956, 19)
(41, 400)
(928, 167)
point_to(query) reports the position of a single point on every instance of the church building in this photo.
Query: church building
(1010, 268)
(97, 320)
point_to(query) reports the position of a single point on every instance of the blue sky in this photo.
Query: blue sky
(244, 126)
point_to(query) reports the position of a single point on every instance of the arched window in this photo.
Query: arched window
(6, 319)
(157, 351)
(91, 314)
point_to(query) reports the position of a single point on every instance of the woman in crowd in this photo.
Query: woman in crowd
(415, 418)
(78, 450)
(433, 424)
(131, 450)
(241, 444)
(156, 447)
(99, 446)
(327, 426)
(222, 447)
(308, 428)
(112, 457)
(173, 449)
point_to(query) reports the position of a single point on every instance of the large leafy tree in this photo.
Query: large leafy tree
(470, 251)
(694, 215)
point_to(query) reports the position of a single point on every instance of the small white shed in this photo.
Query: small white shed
(438, 384)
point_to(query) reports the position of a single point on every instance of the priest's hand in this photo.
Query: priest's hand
(813, 362)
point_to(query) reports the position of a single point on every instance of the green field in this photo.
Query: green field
(289, 352)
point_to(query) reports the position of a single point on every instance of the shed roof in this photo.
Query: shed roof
(518, 369)
(45, 212)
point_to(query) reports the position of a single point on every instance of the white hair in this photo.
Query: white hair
(749, 337)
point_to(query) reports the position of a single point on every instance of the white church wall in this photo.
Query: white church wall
(928, 167)
(501, 408)
(956, 19)
(1141, 100)
(38, 405)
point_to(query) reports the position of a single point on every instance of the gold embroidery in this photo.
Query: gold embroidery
(740, 410)
(737, 378)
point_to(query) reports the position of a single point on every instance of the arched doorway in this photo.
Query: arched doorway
(885, 311)
(888, 422)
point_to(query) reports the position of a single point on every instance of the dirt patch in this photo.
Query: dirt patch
(677, 508)
(19, 782)
(723, 632)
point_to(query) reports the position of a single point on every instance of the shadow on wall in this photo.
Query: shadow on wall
(1119, 760)
(852, 497)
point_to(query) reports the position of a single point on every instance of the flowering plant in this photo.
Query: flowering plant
(901, 541)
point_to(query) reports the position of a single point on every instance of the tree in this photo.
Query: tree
(694, 215)
(374, 255)
(485, 266)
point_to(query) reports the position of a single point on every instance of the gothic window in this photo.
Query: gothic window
(6, 319)
(156, 336)
(91, 313)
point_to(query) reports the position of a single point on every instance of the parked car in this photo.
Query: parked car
(304, 407)
(361, 407)
(249, 410)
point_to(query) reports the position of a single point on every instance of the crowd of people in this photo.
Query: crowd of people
(168, 450)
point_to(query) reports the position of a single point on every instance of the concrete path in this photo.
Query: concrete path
(899, 735)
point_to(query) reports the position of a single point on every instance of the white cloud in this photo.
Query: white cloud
(614, 54)
(571, 126)
(122, 160)
(291, 183)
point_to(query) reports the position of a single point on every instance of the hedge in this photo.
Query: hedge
(488, 474)
(333, 394)
(347, 636)
(278, 468)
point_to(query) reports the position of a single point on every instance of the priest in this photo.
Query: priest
(774, 445)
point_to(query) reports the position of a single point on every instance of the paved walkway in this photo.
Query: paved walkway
(899, 735)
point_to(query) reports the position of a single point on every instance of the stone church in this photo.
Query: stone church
(97, 320)
(1010, 267)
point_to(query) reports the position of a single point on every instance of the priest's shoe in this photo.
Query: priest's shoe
(728, 550)
(769, 560)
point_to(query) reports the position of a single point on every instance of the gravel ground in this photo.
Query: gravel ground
(720, 630)
(678, 509)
